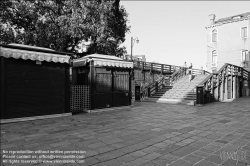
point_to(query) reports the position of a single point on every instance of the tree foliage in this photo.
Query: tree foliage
(63, 25)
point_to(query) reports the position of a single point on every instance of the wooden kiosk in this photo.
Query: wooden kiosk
(100, 81)
(34, 83)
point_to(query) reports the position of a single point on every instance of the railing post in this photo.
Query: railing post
(231, 86)
(218, 88)
(144, 76)
(162, 67)
(237, 87)
(148, 91)
(156, 87)
(222, 88)
(212, 86)
(234, 87)
(226, 87)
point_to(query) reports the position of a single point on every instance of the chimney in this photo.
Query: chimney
(212, 18)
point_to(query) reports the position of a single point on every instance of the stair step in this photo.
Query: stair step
(175, 93)
(171, 101)
(174, 96)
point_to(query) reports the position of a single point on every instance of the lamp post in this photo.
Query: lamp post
(132, 44)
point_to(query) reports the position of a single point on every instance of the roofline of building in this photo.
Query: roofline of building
(227, 22)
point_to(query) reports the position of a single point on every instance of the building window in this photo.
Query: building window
(244, 32)
(214, 36)
(244, 58)
(214, 58)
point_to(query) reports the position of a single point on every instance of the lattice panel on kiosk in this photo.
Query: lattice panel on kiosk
(80, 100)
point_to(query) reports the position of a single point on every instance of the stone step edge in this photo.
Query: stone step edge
(172, 101)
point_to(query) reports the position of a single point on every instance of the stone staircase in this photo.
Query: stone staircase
(182, 92)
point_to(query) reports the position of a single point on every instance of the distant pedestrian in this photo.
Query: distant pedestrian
(191, 66)
(190, 72)
(184, 68)
(202, 71)
(185, 65)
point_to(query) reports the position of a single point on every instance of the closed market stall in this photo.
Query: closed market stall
(105, 79)
(34, 81)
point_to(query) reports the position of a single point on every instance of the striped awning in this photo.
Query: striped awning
(33, 55)
(102, 61)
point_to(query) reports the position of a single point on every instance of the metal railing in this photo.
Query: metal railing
(148, 90)
(156, 67)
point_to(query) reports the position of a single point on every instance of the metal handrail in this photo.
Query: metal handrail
(206, 79)
(152, 85)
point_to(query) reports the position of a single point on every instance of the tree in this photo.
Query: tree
(63, 25)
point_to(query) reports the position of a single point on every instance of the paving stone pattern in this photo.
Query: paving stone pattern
(148, 134)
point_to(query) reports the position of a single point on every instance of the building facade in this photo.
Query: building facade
(135, 57)
(228, 41)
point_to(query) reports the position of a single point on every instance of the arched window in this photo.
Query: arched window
(214, 58)
(214, 35)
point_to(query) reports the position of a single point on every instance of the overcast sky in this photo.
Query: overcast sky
(172, 32)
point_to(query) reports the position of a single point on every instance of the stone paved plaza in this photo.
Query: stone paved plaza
(148, 134)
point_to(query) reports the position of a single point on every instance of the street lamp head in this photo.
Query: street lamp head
(137, 40)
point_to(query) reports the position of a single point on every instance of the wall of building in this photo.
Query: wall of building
(229, 44)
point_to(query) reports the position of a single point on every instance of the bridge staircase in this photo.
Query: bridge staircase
(182, 92)
(177, 89)
(228, 83)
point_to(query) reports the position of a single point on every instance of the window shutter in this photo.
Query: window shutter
(242, 56)
(247, 56)
(243, 32)
(214, 35)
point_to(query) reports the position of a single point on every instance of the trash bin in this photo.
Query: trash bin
(208, 96)
(137, 93)
(199, 95)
